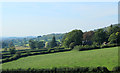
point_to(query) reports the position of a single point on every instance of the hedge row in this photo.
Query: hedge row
(91, 47)
(20, 55)
(65, 70)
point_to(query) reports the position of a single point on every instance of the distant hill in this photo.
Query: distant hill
(50, 36)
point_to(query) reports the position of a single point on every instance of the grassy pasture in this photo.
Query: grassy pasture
(107, 57)
(22, 48)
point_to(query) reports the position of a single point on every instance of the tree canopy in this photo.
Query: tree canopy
(100, 36)
(53, 42)
(73, 36)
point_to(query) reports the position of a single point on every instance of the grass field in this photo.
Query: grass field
(107, 57)
(22, 48)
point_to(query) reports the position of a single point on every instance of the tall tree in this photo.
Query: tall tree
(73, 36)
(53, 42)
(118, 37)
(32, 44)
(11, 44)
(87, 36)
(100, 36)
(113, 38)
(12, 48)
(40, 44)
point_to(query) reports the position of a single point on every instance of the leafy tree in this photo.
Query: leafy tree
(4, 45)
(114, 38)
(47, 44)
(87, 36)
(113, 29)
(11, 44)
(12, 50)
(116, 29)
(32, 44)
(40, 44)
(5, 49)
(100, 36)
(110, 31)
(118, 37)
(72, 45)
(73, 36)
(53, 42)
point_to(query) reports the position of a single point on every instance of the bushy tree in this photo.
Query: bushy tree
(73, 36)
(40, 44)
(72, 45)
(113, 29)
(118, 37)
(12, 50)
(100, 36)
(11, 44)
(112, 38)
(32, 44)
(53, 42)
(4, 44)
(87, 36)
(47, 44)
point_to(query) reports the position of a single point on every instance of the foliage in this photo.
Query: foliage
(11, 44)
(53, 42)
(61, 70)
(100, 36)
(72, 45)
(86, 47)
(5, 49)
(12, 50)
(32, 44)
(18, 53)
(4, 44)
(114, 38)
(73, 36)
(28, 52)
(116, 69)
(40, 44)
(118, 37)
(48, 38)
(47, 45)
(88, 35)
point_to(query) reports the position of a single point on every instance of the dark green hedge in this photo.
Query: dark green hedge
(91, 47)
(64, 70)
(30, 53)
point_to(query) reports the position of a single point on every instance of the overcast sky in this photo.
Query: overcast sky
(40, 18)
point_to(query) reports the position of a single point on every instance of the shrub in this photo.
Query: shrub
(117, 68)
(78, 47)
(28, 52)
(18, 53)
(71, 46)
(12, 50)
(108, 45)
(86, 47)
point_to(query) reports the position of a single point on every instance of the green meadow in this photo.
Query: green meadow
(107, 57)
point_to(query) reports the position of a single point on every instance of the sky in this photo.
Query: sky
(41, 18)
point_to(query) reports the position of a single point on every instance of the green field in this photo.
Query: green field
(107, 57)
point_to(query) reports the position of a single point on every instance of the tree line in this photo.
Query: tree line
(109, 35)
